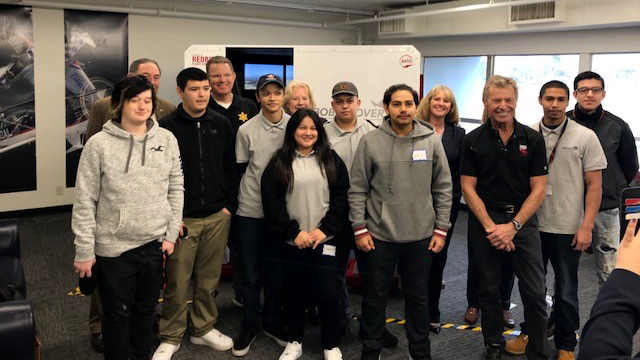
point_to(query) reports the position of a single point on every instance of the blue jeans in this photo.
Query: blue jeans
(261, 253)
(565, 260)
(605, 240)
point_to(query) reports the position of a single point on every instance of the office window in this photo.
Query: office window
(531, 72)
(622, 82)
(466, 77)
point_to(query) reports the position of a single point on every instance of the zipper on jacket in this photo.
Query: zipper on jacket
(201, 166)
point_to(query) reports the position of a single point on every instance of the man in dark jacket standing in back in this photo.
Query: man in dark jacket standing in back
(619, 147)
(206, 144)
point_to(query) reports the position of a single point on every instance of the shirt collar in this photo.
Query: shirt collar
(268, 125)
(546, 131)
(340, 132)
(298, 154)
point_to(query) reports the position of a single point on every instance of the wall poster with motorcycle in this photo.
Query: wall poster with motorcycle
(96, 55)
(17, 114)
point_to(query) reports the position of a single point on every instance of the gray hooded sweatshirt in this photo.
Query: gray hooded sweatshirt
(129, 191)
(400, 186)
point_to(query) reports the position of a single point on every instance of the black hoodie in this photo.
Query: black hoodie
(619, 147)
(207, 149)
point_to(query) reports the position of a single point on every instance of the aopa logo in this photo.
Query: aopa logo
(406, 60)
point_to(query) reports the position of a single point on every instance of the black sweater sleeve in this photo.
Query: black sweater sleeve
(337, 216)
(627, 154)
(274, 204)
(230, 167)
(615, 318)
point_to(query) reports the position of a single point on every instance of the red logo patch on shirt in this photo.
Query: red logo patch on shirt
(523, 150)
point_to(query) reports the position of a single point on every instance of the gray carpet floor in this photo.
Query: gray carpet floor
(62, 319)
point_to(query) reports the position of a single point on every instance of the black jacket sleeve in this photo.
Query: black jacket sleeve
(337, 217)
(230, 167)
(274, 204)
(627, 154)
(615, 318)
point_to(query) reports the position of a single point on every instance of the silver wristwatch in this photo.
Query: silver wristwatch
(517, 225)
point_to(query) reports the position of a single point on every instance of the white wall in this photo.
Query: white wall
(162, 39)
(166, 39)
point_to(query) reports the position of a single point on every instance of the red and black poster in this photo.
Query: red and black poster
(96, 54)
(17, 114)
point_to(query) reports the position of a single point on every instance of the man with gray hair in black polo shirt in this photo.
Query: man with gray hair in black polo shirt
(503, 169)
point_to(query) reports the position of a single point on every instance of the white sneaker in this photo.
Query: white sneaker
(165, 351)
(214, 339)
(292, 351)
(333, 354)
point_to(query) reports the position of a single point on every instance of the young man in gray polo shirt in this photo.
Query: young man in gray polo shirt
(568, 212)
(256, 142)
(344, 134)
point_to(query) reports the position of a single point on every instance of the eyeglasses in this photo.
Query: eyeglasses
(595, 90)
(218, 76)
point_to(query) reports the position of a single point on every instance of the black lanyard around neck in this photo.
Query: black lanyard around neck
(553, 152)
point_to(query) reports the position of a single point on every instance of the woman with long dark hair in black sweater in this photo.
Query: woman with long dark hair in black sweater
(304, 196)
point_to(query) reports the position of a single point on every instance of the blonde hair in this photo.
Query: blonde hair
(288, 94)
(500, 82)
(424, 110)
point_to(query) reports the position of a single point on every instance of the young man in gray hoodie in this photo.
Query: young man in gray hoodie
(400, 200)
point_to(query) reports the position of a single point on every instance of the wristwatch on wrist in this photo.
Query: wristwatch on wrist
(516, 224)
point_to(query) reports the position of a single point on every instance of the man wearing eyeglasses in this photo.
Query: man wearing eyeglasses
(237, 110)
(619, 147)
(222, 78)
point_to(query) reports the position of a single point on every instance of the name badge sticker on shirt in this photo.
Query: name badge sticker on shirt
(419, 155)
(329, 250)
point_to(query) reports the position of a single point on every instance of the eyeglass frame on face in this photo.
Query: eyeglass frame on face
(595, 90)
(220, 76)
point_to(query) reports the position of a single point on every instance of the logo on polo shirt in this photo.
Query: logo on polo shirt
(523, 150)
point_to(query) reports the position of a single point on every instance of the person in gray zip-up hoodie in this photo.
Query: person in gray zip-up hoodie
(400, 200)
(127, 212)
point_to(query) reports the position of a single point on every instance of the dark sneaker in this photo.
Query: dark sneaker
(370, 355)
(390, 340)
(276, 334)
(551, 330)
(243, 342)
(96, 343)
(492, 352)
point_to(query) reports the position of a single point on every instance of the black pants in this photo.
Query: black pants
(346, 243)
(437, 266)
(506, 282)
(414, 262)
(261, 253)
(527, 264)
(129, 289)
(318, 268)
(564, 260)
(236, 260)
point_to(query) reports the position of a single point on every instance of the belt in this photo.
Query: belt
(507, 209)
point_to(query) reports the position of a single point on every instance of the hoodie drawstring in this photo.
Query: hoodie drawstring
(144, 151)
(126, 169)
(393, 144)
(144, 148)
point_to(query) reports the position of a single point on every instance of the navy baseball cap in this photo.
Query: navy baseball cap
(268, 79)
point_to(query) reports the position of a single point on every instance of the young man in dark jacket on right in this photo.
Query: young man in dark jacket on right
(206, 144)
(619, 147)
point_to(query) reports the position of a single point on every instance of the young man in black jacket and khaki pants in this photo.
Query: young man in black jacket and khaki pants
(206, 146)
